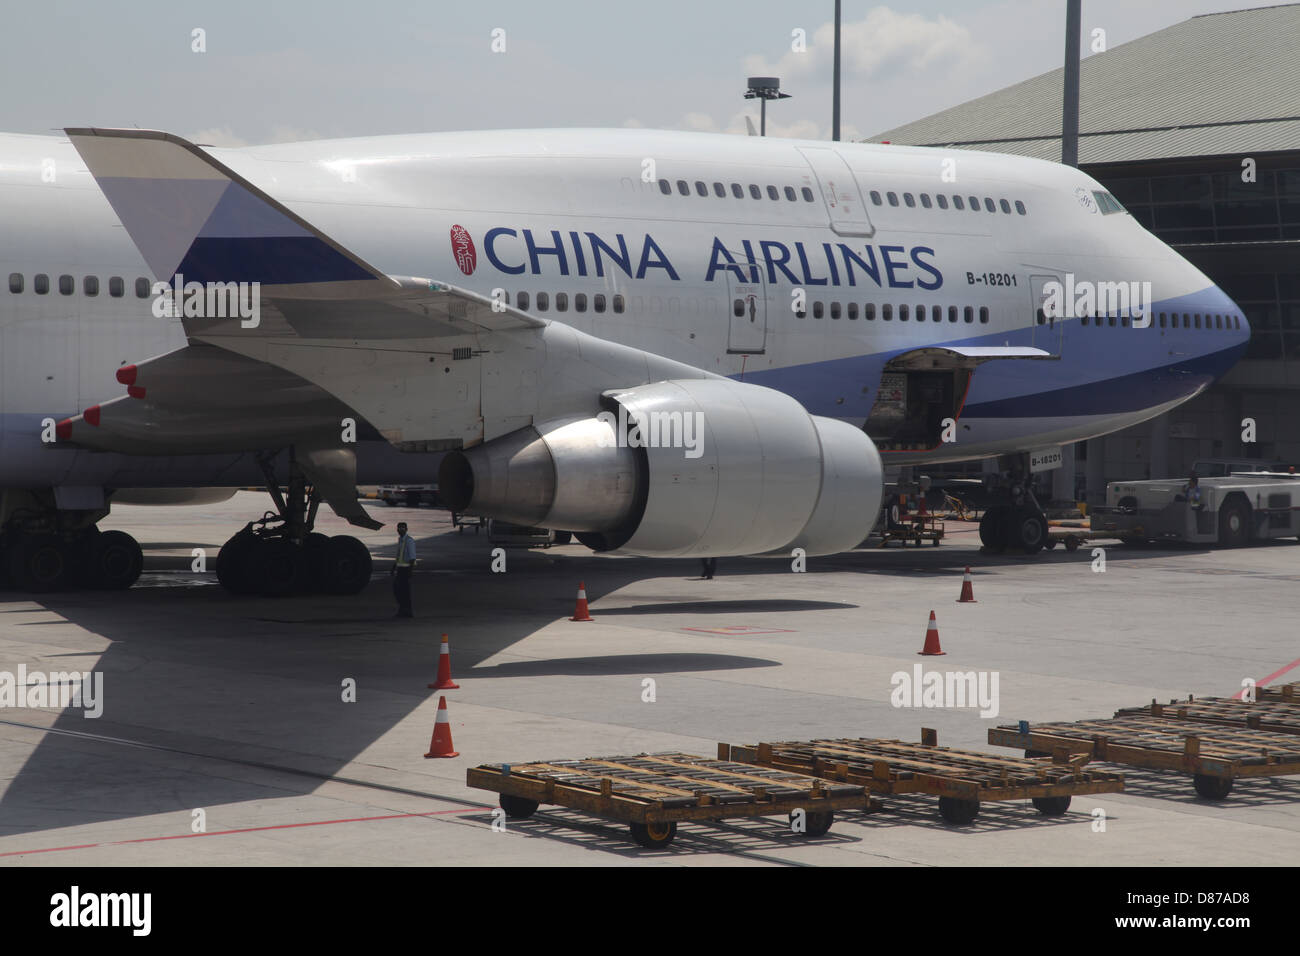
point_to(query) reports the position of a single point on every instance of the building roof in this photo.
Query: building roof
(1223, 83)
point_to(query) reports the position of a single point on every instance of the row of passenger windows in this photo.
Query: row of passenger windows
(738, 191)
(941, 201)
(887, 313)
(1165, 320)
(542, 302)
(89, 285)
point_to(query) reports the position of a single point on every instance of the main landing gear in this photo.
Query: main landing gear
(280, 554)
(43, 549)
(1013, 518)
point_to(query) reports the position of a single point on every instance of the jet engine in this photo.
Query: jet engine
(684, 468)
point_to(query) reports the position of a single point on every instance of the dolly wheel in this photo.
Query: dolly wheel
(957, 811)
(816, 823)
(1212, 788)
(1051, 806)
(654, 836)
(518, 808)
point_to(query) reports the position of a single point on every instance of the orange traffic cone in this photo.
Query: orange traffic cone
(444, 669)
(932, 648)
(580, 613)
(967, 593)
(440, 745)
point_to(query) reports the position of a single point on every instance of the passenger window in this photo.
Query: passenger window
(957, 203)
(1083, 319)
(665, 187)
(1020, 207)
(521, 301)
(40, 283)
(580, 302)
(818, 310)
(909, 200)
(974, 204)
(737, 191)
(598, 302)
(1042, 317)
(952, 313)
(1110, 320)
(738, 308)
(1197, 318)
(67, 287)
(90, 285)
(15, 282)
(755, 192)
(806, 193)
(875, 197)
(142, 288)
(618, 303)
(561, 302)
(886, 312)
(1162, 320)
(772, 193)
(903, 313)
(942, 200)
(790, 194)
(869, 311)
(682, 188)
(893, 198)
(1218, 321)
(936, 313)
(969, 314)
(984, 315)
(835, 310)
(1123, 320)
(116, 287)
(719, 190)
(925, 200)
(1005, 206)
(700, 188)
(853, 310)
(543, 301)
(988, 205)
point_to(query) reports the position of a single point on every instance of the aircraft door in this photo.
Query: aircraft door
(1047, 328)
(839, 192)
(747, 308)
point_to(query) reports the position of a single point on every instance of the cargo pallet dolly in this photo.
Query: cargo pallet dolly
(1069, 536)
(1290, 693)
(915, 528)
(1272, 714)
(462, 521)
(652, 793)
(961, 779)
(1214, 755)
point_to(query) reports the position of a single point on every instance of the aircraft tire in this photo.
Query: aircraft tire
(1027, 530)
(115, 561)
(347, 565)
(276, 566)
(39, 563)
(315, 562)
(993, 528)
(235, 561)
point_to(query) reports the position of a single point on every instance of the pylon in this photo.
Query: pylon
(444, 669)
(932, 648)
(580, 613)
(440, 745)
(967, 593)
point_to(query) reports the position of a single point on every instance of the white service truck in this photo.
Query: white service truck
(1230, 511)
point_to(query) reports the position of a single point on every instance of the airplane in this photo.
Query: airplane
(670, 344)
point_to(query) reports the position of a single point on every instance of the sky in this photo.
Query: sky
(285, 70)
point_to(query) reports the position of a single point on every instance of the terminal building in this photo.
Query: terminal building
(1196, 130)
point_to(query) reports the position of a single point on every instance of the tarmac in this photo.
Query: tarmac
(226, 735)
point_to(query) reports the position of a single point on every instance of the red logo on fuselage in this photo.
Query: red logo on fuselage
(462, 247)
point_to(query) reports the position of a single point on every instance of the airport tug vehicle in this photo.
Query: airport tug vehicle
(1229, 511)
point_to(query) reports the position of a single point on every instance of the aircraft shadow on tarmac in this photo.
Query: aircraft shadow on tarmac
(259, 679)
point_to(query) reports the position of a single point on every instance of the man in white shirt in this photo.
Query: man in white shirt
(401, 571)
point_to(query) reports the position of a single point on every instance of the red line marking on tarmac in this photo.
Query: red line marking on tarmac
(276, 826)
(1266, 680)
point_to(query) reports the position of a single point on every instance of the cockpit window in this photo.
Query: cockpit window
(1107, 203)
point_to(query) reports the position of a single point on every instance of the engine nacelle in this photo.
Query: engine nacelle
(685, 468)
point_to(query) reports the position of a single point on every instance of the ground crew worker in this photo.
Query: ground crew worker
(1192, 491)
(401, 571)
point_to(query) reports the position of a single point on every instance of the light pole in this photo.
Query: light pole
(764, 88)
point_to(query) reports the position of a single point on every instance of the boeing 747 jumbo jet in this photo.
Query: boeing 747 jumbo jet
(671, 344)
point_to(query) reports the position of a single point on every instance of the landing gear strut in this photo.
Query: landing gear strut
(1013, 518)
(280, 554)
